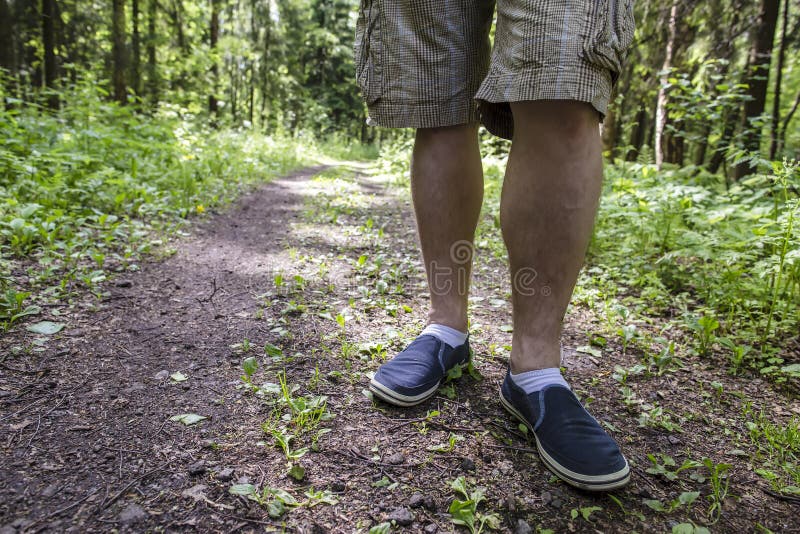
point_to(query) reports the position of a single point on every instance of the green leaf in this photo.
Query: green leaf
(587, 511)
(242, 489)
(460, 485)
(250, 366)
(793, 369)
(454, 373)
(688, 497)
(463, 513)
(188, 418)
(655, 504)
(282, 495)
(46, 328)
(588, 349)
(179, 377)
(272, 350)
(297, 472)
(275, 509)
(383, 528)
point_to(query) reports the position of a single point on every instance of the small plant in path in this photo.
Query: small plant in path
(465, 512)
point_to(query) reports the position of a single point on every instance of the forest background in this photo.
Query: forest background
(125, 115)
(123, 120)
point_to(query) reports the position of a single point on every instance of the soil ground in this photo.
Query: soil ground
(88, 443)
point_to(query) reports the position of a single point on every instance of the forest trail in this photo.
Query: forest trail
(317, 277)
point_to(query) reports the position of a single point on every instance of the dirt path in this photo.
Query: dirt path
(323, 272)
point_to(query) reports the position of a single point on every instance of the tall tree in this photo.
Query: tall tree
(8, 59)
(119, 52)
(136, 49)
(213, 38)
(776, 100)
(152, 68)
(757, 80)
(661, 102)
(49, 45)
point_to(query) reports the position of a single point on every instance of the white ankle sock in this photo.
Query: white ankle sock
(533, 381)
(451, 336)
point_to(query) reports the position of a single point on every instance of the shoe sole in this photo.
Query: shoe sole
(398, 399)
(585, 482)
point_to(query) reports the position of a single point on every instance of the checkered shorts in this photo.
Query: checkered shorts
(429, 63)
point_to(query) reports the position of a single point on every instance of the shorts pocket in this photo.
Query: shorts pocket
(367, 51)
(614, 27)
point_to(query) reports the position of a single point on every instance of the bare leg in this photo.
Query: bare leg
(549, 201)
(447, 189)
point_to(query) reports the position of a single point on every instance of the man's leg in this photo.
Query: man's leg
(550, 197)
(447, 189)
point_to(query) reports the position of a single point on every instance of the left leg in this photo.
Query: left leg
(549, 201)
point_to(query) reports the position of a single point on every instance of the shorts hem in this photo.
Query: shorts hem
(578, 83)
(398, 114)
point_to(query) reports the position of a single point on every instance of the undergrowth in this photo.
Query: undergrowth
(89, 189)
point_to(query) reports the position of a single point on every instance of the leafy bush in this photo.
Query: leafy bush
(83, 190)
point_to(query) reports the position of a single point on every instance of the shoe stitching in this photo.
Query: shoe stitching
(440, 357)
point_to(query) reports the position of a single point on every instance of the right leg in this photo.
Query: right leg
(447, 188)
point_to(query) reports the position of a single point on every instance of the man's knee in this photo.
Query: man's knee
(562, 121)
(456, 132)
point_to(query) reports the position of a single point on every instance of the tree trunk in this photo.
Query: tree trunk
(638, 133)
(152, 72)
(213, 38)
(661, 103)
(118, 37)
(610, 132)
(728, 129)
(760, 59)
(8, 59)
(136, 64)
(788, 118)
(49, 44)
(776, 101)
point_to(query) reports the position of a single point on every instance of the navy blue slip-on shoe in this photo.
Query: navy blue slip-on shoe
(415, 373)
(571, 443)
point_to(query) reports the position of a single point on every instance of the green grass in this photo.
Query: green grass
(89, 190)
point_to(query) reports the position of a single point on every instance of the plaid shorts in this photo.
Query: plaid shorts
(429, 63)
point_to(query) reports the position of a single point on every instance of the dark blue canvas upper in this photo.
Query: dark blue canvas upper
(422, 364)
(565, 429)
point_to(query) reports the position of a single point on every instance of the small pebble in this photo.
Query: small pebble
(416, 500)
(547, 497)
(162, 375)
(401, 516)
(556, 503)
(522, 527)
(49, 491)
(396, 459)
(467, 464)
(674, 440)
(431, 528)
(225, 475)
(133, 513)
(197, 468)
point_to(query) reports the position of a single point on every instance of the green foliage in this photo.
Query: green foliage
(86, 191)
(465, 511)
(683, 241)
(778, 446)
